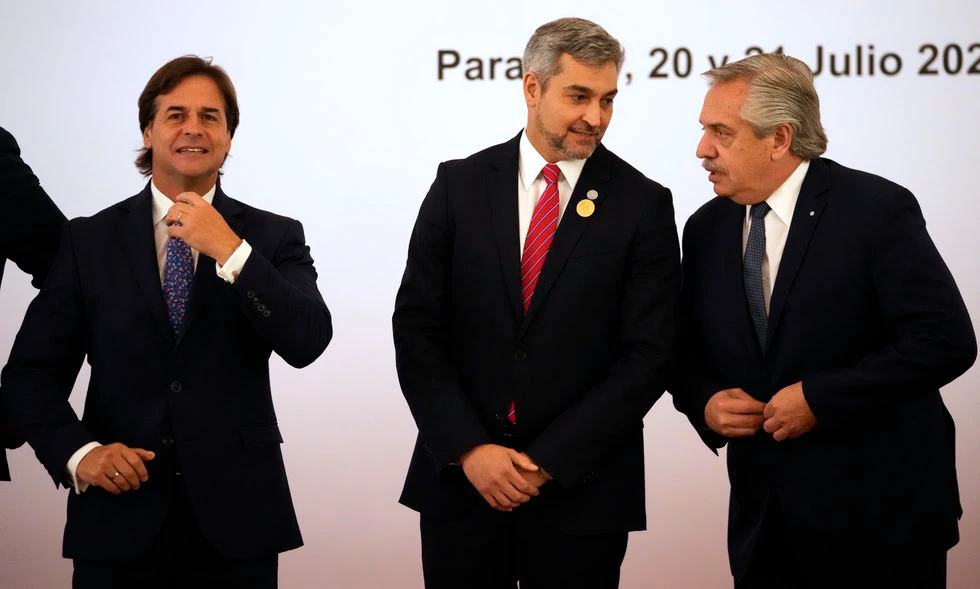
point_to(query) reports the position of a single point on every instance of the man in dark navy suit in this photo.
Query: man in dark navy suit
(29, 236)
(533, 329)
(818, 324)
(177, 297)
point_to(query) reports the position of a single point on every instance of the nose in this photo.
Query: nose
(593, 114)
(706, 148)
(192, 126)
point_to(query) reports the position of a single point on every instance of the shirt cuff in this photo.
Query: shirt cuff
(234, 263)
(72, 466)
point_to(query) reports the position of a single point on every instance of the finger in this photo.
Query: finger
(112, 483)
(743, 421)
(126, 474)
(741, 432)
(523, 460)
(745, 406)
(520, 484)
(190, 198)
(781, 434)
(135, 463)
(175, 230)
(515, 495)
(145, 455)
(502, 500)
(771, 425)
(135, 460)
(769, 410)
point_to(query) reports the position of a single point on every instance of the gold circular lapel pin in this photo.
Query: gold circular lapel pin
(585, 208)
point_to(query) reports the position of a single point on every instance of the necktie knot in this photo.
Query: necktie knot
(550, 173)
(760, 210)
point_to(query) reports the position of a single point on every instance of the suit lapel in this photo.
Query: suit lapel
(139, 247)
(806, 215)
(205, 276)
(594, 175)
(502, 196)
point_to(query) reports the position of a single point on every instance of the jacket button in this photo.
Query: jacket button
(266, 313)
(519, 355)
(167, 441)
(175, 387)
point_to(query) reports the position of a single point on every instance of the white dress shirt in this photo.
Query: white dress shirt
(778, 220)
(229, 272)
(531, 183)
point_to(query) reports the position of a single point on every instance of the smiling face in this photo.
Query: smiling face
(188, 136)
(567, 120)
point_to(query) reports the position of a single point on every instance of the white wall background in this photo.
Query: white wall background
(343, 124)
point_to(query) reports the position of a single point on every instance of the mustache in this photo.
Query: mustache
(585, 129)
(711, 166)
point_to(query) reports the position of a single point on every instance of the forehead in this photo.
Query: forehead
(723, 103)
(601, 79)
(193, 92)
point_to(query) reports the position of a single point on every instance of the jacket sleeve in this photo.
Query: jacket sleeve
(447, 421)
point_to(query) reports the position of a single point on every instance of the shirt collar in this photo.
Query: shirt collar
(783, 200)
(531, 162)
(162, 204)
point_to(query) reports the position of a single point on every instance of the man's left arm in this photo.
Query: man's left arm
(578, 439)
(278, 294)
(930, 336)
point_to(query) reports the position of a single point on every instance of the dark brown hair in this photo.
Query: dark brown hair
(166, 79)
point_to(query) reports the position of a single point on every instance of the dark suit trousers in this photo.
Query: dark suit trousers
(489, 549)
(180, 558)
(779, 563)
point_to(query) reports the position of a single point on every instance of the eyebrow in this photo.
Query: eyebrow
(206, 109)
(587, 90)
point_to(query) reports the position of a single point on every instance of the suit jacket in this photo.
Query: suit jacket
(202, 401)
(585, 363)
(29, 230)
(865, 313)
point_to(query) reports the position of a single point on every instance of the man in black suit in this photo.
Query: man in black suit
(529, 355)
(818, 324)
(176, 465)
(29, 236)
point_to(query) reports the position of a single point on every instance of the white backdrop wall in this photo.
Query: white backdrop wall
(344, 119)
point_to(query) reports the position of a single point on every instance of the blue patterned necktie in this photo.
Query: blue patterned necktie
(178, 274)
(755, 252)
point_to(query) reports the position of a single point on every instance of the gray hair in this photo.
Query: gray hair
(584, 40)
(780, 91)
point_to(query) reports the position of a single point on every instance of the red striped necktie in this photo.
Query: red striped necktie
(540, 234)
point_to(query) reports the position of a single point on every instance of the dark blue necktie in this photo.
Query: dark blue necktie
(178, 274)
(755, 252)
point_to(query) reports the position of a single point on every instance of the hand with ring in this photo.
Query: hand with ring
(116, 468)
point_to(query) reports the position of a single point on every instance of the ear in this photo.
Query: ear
(532, 89)
(782, 139)
(147, 142)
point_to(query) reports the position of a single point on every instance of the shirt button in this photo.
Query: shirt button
(175, 387)
(519, 355)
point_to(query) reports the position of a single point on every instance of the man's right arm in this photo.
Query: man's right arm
(448, 423)
(716, 413)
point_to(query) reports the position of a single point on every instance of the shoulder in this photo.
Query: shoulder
(863, 192)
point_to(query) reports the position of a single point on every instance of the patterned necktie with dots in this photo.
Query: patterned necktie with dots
(178, 275)
(755, 252)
